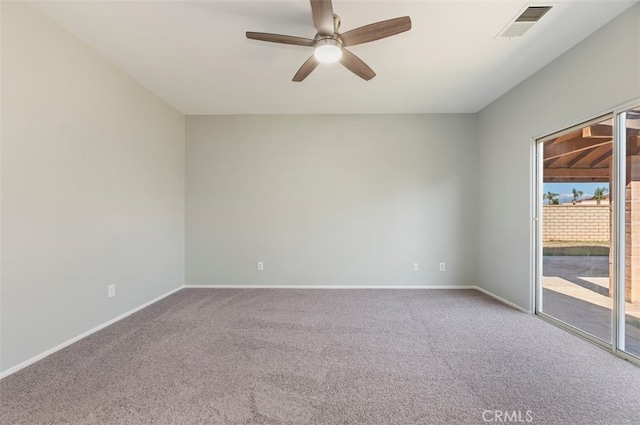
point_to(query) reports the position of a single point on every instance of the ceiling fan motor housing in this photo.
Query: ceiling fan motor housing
(336, 23)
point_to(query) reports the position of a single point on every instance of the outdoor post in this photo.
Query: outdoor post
(632, 225)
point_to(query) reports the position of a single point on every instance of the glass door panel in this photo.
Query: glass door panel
(576, 228)
(629, 335)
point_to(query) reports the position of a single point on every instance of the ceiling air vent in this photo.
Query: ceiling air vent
(524, 20)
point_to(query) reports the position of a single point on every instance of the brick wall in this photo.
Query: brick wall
(575, 222)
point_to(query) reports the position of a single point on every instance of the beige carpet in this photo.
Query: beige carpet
(276, 356)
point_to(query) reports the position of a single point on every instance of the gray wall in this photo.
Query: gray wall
(331, 200)
(600, 73)
(92, 189)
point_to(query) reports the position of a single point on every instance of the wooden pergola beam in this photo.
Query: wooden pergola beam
(578, 158)
(576, 173)
(598, 131)
(576, 180)
(571, 147)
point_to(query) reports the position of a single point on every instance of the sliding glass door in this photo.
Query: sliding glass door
(588, 230)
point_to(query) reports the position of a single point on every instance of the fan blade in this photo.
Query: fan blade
(279, 38)
(322, 11)
(377, 31)
(356, 65)
(306, 69)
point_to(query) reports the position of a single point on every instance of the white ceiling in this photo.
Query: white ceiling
(194, 54)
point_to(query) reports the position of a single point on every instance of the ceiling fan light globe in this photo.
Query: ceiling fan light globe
(327, 51)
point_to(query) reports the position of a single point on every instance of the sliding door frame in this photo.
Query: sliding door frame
(618, 218)
(617, 243)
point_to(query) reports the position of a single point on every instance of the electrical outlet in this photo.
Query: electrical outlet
(260, 265)
(416, 267)
(442, 268)
(112, 290)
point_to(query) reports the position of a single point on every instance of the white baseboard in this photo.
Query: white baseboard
(502, 300)
(328, 287)
(44, 354)
(477, 288)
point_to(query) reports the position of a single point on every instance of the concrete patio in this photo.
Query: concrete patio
(575, 291)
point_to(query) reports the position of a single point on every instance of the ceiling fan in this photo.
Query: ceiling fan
(329, 44)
